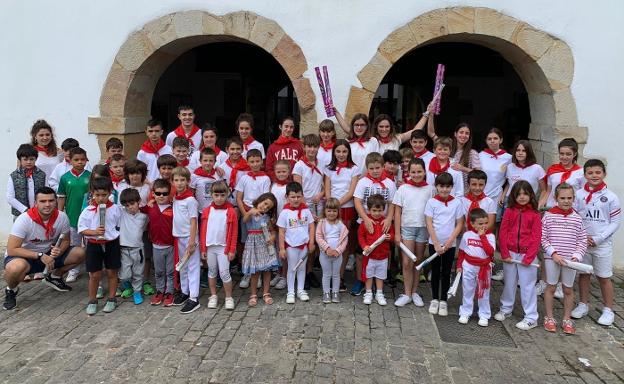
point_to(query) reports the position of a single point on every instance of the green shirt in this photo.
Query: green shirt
(73, 189)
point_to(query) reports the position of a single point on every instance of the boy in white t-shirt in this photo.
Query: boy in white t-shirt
(476, 198)
(418, 142)
(252, 184)
(131, 227)
(153, 148)
(441, 162)
(204, 176)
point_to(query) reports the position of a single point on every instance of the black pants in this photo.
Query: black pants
(441, 268)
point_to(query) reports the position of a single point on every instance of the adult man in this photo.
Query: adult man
(31, 246)
(186, 129)
(153, 148)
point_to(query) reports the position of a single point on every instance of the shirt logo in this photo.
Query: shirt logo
(604, 199)
(474, 242)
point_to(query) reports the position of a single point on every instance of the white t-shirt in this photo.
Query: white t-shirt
(195, 141)
(311, 179)
(10, 195)
(33, 235)
(227, 172)
(412, 201)
(332, 232)
(487, 204)
(359, 152)
(495, 167)
(253, 145)
(576, 180)
(150, 160)
(444, 217)
(426, 157)
(472, 245)
(341, 182)
(601, 216)
(531, 175)
(252, 188)
(324, 158)
(62, 168)
(217, 225)
(279, 191)
(48, 163)
(458, 181)
(131, 228)
(183, 211)
(90, 219)
(194, 160)
(202, 186)
(365, 187)
(394, 144)
(144, 191)
(296, 228)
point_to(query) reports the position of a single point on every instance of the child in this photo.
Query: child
(494, 162)
(360, 139)
(375, 264)
(185, 212)
(519, 238)
(252, 184)
(327, 133)
(296, 239)
(204, 177)
(209, 140)
(131, 227)
(278, 189)
(331, 236)
(181, 150)
(166, 164)
(244, 127)
(64, 166)
(564, 239)
(187, 128)
(235, 167)
(418, 142)
(24, 181)
(475, 198)
(600, 210)
(259, 257)
(102, 242)
(160, 217)
(218, 237)
(135, 177)
(567, 171)
(392, 166)
(99, 170)
(523, 166)
(407, 154)
(114, 146)
(441, 162)
(476, 252)
(286, 147)
(445, 219)
(116, 166)
(153, 148)
(307, 173)
(410, 228)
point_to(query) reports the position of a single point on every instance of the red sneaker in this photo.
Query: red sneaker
(550, 324)
(568, 327)
(157, 298)
(168, 300)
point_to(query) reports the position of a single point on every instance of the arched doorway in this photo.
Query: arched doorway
(482, 89)
(126, 99)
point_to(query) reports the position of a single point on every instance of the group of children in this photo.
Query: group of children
(185, 202)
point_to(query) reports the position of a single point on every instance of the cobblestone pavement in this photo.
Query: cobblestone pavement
(50, 339)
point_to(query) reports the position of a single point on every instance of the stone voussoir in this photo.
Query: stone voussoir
(372, 74)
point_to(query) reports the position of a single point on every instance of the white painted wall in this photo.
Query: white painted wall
(56, 55)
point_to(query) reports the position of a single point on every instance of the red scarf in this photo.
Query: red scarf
(436, 168)
(385, 140)
(445, 201)
(93, 206)
(183, 163)
(558, 211)
(523, 207)
(216, 150)
(76, 173)
(474, 204)
(360, 140)
(203, 173)
(253, 174)
(419, 184)
(494, 155)
(184, 195)
(29, 172)
(148, 147)
(558, 168)
(313, 167)
(598, 188)
(421, 153)
(328, 146)
(485, 270)
(45, 150)
(522, 166)
(241, 165)
(281, 183)
(226, 205)
(285, 140)
(179, 132)
(342, 164)
(34, 215)
(115, 179)
(247, 142)
(377, 181)
(300, 208)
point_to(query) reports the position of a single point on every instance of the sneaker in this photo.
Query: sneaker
(126, 293)
(138, 298)
(443, 309)
(168, 300)
(179, 299)
(9, 298)
(368, 298)
(118, 292)
(568, 327)
(244, 283)
(498, 276)
(110, 305)
(303, 296)
(56, 283)
(92, 307)
(314, 283)
(72, 276)
(343, 287)
(213, 301)
(100, 293)
(290, 298)
(525, 324)
(540, 287)
(501, 316)
(38, 276)
(402, 300)
(380, 298)
(157, 299)
(326, 297)
(417, 300)
(281, 284)
(190, 306)
(350, 263)
(580, 311)
(559, 291)
(335, 297)
(550, 324)
(434, 306)
(607, 317)
(148, 289)
(275, 280)
(357, 289)
(483, 322)
(229, 303)
(463, 319)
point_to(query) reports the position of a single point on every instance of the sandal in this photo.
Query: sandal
(253, 300)
(268, 300)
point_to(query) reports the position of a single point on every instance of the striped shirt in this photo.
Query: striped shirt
(565, 235)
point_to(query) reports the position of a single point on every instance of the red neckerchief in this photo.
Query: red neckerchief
(148, 147)
(184, 163)
(494, 155)
(253, 174)
(385, 140)
(558, 211)
(419, 154)
(184, 195)
(300, 208)
(203, 173)
(226, 205)
(377, 181)
(179, 132)
(313, 167)
(436, 168)
(93, 206)
(115, 179)
(45, 150)
(598, 188)
(342, 164)
(445, 201)
(76, 173)
(474, 204)
(248, 142)
(328, 146)
(522, 166)
(241, 165)
(29, 172)
(285, 140)
(558, 168)
(281, 183)
(360, 140)
(523, 207)
(416, 184)
(216, 150)
(34, 215)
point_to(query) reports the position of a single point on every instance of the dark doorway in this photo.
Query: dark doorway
(482, 88)
(221, 80)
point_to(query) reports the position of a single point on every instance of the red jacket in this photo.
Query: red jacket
(231, 232)
(291, 152)
(366, 239)
(520, 232)
(160, 224)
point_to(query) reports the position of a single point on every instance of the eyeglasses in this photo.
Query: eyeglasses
(161, 193)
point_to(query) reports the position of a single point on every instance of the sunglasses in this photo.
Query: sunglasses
(161, 193)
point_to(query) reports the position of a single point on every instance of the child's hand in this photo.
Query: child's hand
(331, 252)
(507, 260)
(558, 259)
(254, 211)
(220, 171)
(590, 241)
(458, 270)
(151, 203)
(481, 231)
(457, 167)
(204, 256)
(387, 236)
(191, 248)
(100, 231)
(439, 248)
(282, 254)
(366, 249)
(311, 246)
(316, 199)
(231, 256)
(316, 218)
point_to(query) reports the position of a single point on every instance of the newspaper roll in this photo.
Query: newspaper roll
(267, 236)
(426, 262)
(375, 244)
(182, 262)
(56, 245)
(452, 292)
(407, 252)
(301, 261)
(102, 211)
(536, 265)
(581, 267)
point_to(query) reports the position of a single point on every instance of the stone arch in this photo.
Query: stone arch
(544, 63)
(127, 93)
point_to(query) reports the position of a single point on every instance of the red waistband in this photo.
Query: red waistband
(94, 241)
(302, 246)
(254, 231)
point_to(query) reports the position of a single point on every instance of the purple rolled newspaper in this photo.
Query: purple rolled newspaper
(328, 93)
(436, 90)
(321, 82)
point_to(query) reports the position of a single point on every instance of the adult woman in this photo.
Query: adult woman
(42, 138)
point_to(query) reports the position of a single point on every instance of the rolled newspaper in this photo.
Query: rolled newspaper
(426, 262)
(183, 260)
(536, 265)
(452, 292)
(102, 211)
(375, 244)
(407, 252)
(581, 267)
(56, 245)
(301, 261)
(267, 236)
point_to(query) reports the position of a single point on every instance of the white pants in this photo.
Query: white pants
(469, 287)
(331, 271)
(294, 255)
(189, 275)
(218, 263)
(526, 276)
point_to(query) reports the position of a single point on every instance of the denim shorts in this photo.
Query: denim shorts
(417, 234)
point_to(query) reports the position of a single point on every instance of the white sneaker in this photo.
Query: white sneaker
(290, 298)
(275, 280)
(418, 301)
(580, 311)
(259, 284)
(442, 309)
(483, 322)
(434, 306)
(498, 276)
(607, 317)
(213, 301)
(244, 283)
(463, 319)
(303, 296)
(368, 298)
(525, 324)
(501, 316)
(402, 300)
(229, 303)
(281, 284)
(540, 287)
(559, 291)
(380, 298)
(72, 276)
(350, 263)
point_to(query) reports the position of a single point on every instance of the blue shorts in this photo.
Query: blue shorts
(417, 234)
(36, 265)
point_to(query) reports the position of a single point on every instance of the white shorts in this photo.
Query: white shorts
(601, 258)
(376, 268)
(555, 272)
